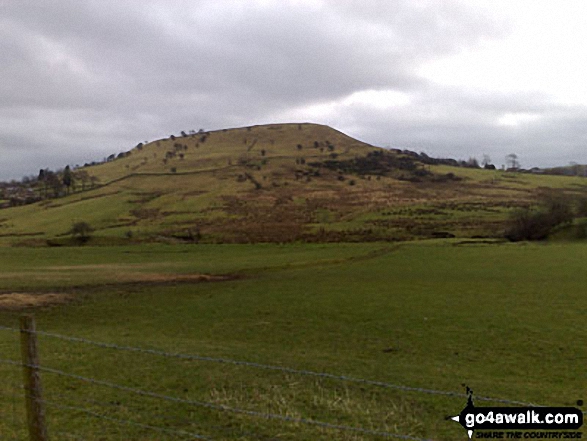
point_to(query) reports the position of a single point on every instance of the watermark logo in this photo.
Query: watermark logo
(501, 419)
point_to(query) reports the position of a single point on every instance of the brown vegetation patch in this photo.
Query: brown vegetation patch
(131, 273)
(193, 193)
(145, 213)
(144, 197)
(169, 278)
(21, 300)
(35, 233)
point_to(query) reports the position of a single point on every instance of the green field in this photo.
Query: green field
(277, 183)
(507, 320)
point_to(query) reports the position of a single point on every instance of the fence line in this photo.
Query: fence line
(184, 433)
(125, 421)
(87, 401)
(219, 407)
(105, 417)
(108, 406)
(75, 402)
(287, 370)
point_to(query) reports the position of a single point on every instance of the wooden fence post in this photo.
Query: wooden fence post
(32, 380)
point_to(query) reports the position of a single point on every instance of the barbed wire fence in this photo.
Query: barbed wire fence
(36, 400)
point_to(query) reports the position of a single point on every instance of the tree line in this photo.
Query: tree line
(46, 184)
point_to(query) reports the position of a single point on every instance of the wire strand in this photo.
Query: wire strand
(220, 407)
(288, 370)
(125, 421)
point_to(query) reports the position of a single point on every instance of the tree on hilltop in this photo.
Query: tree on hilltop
(67, 179)
(50, 180)
(82, 176)
(512, 161)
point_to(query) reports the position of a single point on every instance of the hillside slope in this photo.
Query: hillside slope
(281, 182)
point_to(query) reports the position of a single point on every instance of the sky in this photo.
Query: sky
(80, 80)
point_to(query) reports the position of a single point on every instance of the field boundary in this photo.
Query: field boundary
(35, 402)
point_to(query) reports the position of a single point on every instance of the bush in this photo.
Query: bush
(527, 224)
(559, 210)
(581, 230)
(81, 232)
(581, 208)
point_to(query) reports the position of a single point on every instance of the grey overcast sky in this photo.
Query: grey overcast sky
(80, 80)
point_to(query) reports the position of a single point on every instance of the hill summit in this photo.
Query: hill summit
(268, 183)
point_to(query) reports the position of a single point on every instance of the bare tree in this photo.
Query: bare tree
(512, 161)
(82, 176)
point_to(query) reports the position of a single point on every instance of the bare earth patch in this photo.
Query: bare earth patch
(168, 278)
(20, 300)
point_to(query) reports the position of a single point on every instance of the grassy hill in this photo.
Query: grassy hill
(277, 183)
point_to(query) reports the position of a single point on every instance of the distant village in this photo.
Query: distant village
(47, 185)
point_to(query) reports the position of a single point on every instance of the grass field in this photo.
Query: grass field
(507, 320)
(277, 183)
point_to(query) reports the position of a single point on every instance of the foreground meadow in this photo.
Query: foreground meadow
(506, 320)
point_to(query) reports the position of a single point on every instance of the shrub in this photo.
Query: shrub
(527, 224)
(581, 209)
(81, 232)
(581, 230)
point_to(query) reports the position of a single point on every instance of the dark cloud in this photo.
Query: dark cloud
(82, 80)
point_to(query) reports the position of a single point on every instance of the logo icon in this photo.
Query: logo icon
(516, 418)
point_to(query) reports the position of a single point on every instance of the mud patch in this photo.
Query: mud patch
(21, 300)
(170, 278)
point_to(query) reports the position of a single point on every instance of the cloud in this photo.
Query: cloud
(82, 80)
